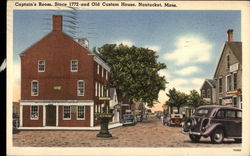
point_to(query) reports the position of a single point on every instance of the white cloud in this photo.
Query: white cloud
(188, 71)
(190, 49)
(165, 73)
(125, 42)
(153, 47)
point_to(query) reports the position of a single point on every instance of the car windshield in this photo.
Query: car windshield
(202, 112)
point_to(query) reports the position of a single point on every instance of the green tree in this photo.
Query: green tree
(195, 100)
(176, 99)
(134, 72)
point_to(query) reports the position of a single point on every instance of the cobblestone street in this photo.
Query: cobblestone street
(149, 133)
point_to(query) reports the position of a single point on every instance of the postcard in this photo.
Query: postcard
(128, 78)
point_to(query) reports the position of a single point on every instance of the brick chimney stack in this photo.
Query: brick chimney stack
(230, 35)
(57, 22)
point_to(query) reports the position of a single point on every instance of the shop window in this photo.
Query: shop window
(34, 113)
(66, 113)
(80, 113)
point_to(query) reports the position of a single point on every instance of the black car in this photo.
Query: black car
(216, 122)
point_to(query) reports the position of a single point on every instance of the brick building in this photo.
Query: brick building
(228, 74)
(62, 82)
(208, 91)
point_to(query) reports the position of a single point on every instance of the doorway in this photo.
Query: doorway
(50, 115)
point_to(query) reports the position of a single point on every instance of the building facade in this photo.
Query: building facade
(208, 91)
(228, 74)
(63, 84)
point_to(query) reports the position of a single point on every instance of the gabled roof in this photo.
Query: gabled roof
(236, 48)
(210, 82)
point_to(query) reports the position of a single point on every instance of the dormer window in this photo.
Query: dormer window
(74, 65)
(41, 66)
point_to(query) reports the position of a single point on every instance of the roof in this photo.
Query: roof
(210, 82)
(236, 48)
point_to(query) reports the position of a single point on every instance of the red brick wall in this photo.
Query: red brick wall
(73, 122)
(57, 49)
(32, 123)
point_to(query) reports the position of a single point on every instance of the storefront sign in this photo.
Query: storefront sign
(57, 87)
(105, 98)
(234, 67)
(228, 100)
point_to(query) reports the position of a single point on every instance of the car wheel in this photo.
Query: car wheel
(238, 140)
(217, 136)
(194, 138)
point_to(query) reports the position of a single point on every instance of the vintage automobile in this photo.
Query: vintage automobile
(173, 119)
(129, 119)
(216, 122)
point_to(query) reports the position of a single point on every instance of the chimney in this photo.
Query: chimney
(57, 22)
(230, 35)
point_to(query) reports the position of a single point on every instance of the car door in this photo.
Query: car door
(232, 124)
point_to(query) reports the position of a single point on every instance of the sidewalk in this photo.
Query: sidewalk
(96, 128)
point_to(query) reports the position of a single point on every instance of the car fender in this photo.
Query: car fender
(211, 128)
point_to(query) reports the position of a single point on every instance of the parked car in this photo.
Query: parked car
(216, 122)
(173, 119)
(139, 118)
(129, 119)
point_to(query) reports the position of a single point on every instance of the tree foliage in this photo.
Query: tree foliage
(176, 98)
(195, 100)
(134, 72)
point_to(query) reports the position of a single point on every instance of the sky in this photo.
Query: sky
(188, 42)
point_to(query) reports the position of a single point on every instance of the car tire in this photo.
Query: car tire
(217, 136)
(238, 140)
(194, 138)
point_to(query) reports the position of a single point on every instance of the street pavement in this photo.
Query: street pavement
(149, 133)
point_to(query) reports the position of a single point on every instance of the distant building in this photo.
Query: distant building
(208, 91)
(228, 74)
(63, 84)
(114, 105)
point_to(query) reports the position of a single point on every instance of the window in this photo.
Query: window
(230, 114)
(235, 81)
(41, 66)
(80, 113)
(235, 101)
(203, 93)
(239, 114)
(74, 65)
(96, 87)
(80, 88)
(220, 101)
(96, 108)
(34, 88)
(34, 114)
(228, 61)
(220, 114)
(98, 69)
(220, 85)
(208, 93)
(66, 113)
(228, 83)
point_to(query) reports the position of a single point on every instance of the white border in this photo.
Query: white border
(244, 6)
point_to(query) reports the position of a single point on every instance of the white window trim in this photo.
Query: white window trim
(99, 91)
(78, 93)
(44, 66)
(102, 90)
(32, 93)
(37, 113)
(77, 113)
(69, 113)
(96, 86)
(72, 64)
